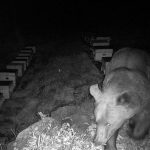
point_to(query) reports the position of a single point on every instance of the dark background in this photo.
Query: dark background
(47, 18)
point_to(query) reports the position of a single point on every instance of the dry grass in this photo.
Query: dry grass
(48, 134)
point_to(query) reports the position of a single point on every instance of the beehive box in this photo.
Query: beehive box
(31, 47)
(25, 55)
(17, 66)
(21, 61)
(100, 53)
(6, 88)
(28, 60)
(29, 55)
(30, 51)
(100, 43)
(107, 38)
(9, 75)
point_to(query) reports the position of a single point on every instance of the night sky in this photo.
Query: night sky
(45, 17)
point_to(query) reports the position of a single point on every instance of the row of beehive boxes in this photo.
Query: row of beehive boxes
(15, 70)
(100, 49)
(96, 40)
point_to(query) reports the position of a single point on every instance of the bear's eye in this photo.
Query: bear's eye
(123, 99)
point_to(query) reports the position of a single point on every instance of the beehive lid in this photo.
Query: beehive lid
(100, 47)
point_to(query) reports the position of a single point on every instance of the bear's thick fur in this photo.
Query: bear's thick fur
(125, 95)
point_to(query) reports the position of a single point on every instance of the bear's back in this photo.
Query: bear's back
(129, 58)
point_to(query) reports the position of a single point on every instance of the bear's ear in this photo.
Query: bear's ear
(129, 99)
(95, 92)
(123, 99)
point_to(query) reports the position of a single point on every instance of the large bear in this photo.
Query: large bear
(124, 95)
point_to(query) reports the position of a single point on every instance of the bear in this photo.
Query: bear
(123, 96)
